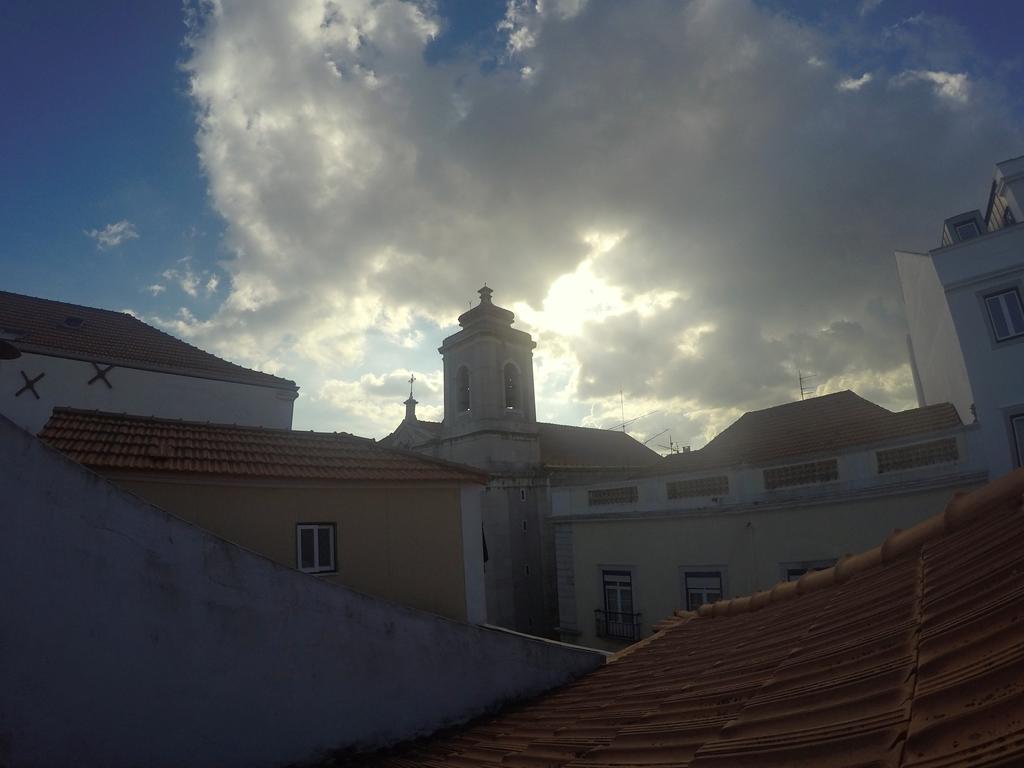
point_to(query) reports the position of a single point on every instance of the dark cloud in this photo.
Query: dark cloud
(365, 188)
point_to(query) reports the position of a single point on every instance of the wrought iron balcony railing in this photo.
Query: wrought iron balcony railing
(617, 626)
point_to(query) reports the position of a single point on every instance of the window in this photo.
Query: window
(511, 378)
(801, 474)
(618, 591)
(618, 620)
(522, 494)
(462, 389)
(700, 587)
(315, 547)
(967, 230)
(625, 495)
(1017, 424)
(919, 455)
(701, 486)
(793, 571)
(1005, 314)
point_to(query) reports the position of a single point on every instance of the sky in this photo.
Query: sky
(685, 202)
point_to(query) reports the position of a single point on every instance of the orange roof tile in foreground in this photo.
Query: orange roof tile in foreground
(910, 655)
(109, 441)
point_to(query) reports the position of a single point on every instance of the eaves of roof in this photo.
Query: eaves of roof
(123, 443)
(910, 655)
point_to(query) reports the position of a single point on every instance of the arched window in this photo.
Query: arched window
(462, 389)
(511, 379)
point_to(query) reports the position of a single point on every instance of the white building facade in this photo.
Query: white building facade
(781, 492)
(965, 311)
(56, 354)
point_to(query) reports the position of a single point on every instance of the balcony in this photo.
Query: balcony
(617, 626)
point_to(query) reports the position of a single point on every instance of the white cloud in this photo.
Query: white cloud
(867, 6)
(690, 227)
(854, 83)
(189, 280)
(156, 289)
(113, 234)
(954, 86)
(370, 400)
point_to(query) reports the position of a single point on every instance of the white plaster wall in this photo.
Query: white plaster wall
(1011, 174)
(750, 543)
(130, 637)
(933, 336)
(473, 555)
(969, 271)
(135, 391)
(858, 476)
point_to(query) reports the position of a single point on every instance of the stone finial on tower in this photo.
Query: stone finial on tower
(410, 404)
(485, 294)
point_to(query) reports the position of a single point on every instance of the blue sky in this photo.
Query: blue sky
(101, 128)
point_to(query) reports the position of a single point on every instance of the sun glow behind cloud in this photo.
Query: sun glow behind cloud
(687, 227)
(583, 296)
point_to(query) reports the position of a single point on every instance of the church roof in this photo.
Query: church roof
(564, 446)
(818, 425)
(47, 327)
(486, 310)
(110, 441)
(910, 655)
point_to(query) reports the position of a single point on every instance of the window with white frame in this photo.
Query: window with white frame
(1017, 425)
(618, 620)
(700, 587)
(967, 230)
(1006, 314)
(793, 571)
(314, 543)
(618, 592)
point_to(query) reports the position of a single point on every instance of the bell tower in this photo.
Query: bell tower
(488, 374)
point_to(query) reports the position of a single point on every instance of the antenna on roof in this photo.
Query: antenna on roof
(625, 424)
(805, 388)
(674, 447)
(622, 409)
(652, 437)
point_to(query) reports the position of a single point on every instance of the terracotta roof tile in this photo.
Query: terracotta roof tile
(565, 446)
(819, 425)
(41, 326)
(146, 444)
(911, 655)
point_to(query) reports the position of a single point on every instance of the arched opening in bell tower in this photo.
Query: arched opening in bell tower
(462, 389)
(513, 399)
